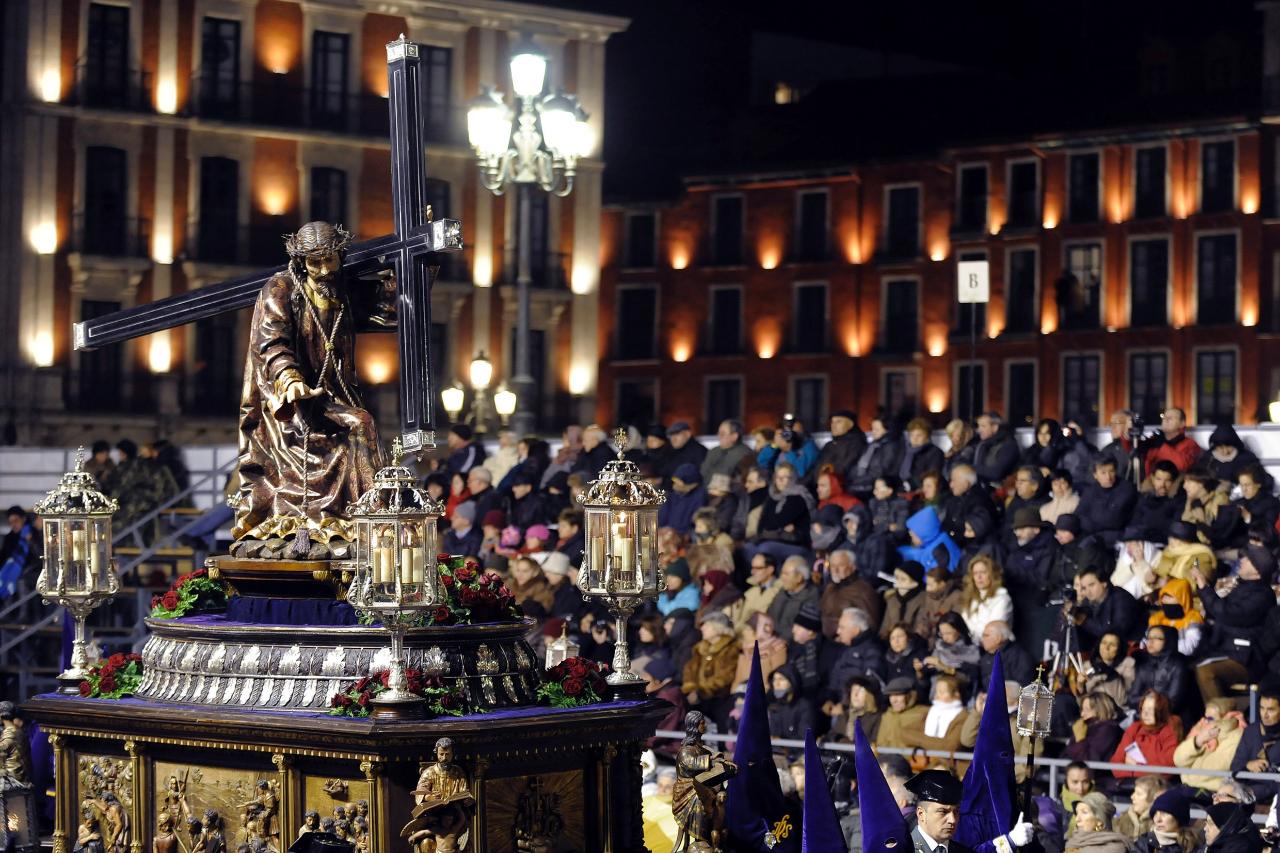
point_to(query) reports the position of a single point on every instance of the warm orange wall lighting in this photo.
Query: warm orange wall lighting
(770, 254)
(851, 343)
(768, 339)
(274, 200)
(853, 251)
(994, 328)
(937, 400)
(1248, 314)
(938, 252)
(377, 370)
(680, 351)
(937, 345)
(1048, 325)
(277, 52)
(1050, 219)
(679, 257)
(1248, 201)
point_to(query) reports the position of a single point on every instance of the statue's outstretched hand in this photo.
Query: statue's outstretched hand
(299, 391)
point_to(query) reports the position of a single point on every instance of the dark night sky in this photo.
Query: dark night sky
(679, 100)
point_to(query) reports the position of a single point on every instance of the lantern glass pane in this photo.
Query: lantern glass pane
(100, 552)
(648, 545)
(382, 544)
(622, 552)
(597, 523)
(78, 566)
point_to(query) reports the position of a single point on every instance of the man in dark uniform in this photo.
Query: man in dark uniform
(938, 795)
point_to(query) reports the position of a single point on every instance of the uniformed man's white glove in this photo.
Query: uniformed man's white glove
(1021, 833)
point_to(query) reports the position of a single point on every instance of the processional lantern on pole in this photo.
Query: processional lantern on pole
(620, 561)
(396, 579)
(1035, 711)
(79, 572)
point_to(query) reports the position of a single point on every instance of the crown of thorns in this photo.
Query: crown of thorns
(317, 238)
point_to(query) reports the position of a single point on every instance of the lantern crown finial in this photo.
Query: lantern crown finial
(397, 452)
(80, 459)
(76, 494)
(620, 438)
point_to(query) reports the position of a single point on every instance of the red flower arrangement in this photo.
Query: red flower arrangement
(573, 682)
(356, 700)
(117, 676)
(192, 592)
(471, 596)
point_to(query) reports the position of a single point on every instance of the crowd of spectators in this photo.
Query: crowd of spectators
(881, 576)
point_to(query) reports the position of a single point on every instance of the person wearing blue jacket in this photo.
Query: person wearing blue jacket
(789, 446)
(681, 592)
(686, 497)
(930, 546)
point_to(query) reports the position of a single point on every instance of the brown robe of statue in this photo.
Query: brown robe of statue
(291, 322)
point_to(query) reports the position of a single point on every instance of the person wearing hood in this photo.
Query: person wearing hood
(718, 591)
(686, 497)
(901, 716)
(975, 542)
(1227, 455)
(1236, 618)
(969, 502)
(790, 446)
(1046, 450)
(902, 650)
(919, 456)
(1209, 508)
(881, 458)
(790, 714)
(783, 529)
(1095, 734)
(1177, 610)
(1072, 555)
(846, 444)
(997, 453)
(1230, 829)
(830, 491)
(872, 552)
(679, 626)
(1106, 504)
(846, 587)
(1063, 497)
(826, 532)
(1026, 572)
(904, 600)
(1028, 493)
(1171, 830)
(930, 545)
(681, 591)
(1257, 500)
(941, 596)
(1160, 667)
(1094, 833)
(1210, 745)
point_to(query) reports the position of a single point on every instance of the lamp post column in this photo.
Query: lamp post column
(524, 420)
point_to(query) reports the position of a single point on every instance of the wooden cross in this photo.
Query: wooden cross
(412, 251)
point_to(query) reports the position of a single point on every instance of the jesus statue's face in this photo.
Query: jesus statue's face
(323, 269)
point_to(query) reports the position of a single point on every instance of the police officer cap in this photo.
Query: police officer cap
(936, 786)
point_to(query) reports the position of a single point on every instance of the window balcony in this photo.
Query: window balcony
(548, 269)
(110, 237)
(126, 90)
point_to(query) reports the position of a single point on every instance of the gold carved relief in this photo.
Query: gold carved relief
(536, 814)
(105, 788)
(341, 806)
(247, 804)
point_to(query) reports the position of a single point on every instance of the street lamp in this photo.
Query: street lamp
(538, 143)
(452, 398)
(504, 402)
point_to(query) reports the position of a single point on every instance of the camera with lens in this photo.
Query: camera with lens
(1136, 427)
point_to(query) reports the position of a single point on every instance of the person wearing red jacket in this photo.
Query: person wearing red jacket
(1151, 739)
(1178, 447)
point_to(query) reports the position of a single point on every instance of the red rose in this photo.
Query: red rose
(155, 600)
(504, 591)
(448, 702)
(474, 565)
(170, 600)
(116, 661)
(442, 615)
(573, 686)
(466, 574)
(384, 678)
(107, 683)
(363, 701)
(85, 688)
(134, 656)
(491, 578)
(442, 558)
(577, 668)
(469, 597)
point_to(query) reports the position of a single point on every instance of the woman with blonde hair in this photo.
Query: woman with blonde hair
(963, 447)
(773, 649)
(983, 598)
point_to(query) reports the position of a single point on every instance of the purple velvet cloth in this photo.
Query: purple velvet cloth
(289, 611)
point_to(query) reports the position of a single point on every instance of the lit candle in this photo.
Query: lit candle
(598, 565)
(79, 553)
(410, 565)
(621, 546)
(78, 545)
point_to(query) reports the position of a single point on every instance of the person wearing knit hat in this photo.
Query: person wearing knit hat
(1170, 824)
(680, 591)
(1068, 522)
(684, 499)
(494, 518)
(1230, 829)
(464, 537)
(809, 618)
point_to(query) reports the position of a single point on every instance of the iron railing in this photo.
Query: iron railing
(99, 88)
(549, 269)
(114, 237)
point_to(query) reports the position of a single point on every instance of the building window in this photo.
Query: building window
(1024, 194)
(809, 332)
(217, 373)
(1021, 308)
(329, 52)
(1079, 291)
(436, 70)
(971, 390)
(902, 223)
(809, 400)
(1148, 384)
(637, 323)
(1020, 396)
(726, 230)
(100, 370)
(104, 226)
(726, 321)
(1217, 176)
(971, 205)
(1216, 279)
(219, 87)
(1149, 182)
(900, 322)
(219, 226)
(971, 317)
(724, 403)
(104, 77)
(637, 402)
(900, 395)
(1216, 386)
(641, 237)
(329, 194)
(1082, 197)
(1080, 378)
(1148, 282)
(813, 229)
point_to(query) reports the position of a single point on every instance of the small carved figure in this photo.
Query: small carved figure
(175, 799)
(326, 825)
(213, 838)
(362, 808)
(166, 840)
(195, 835)
(117, 824)
(697, 800)
(310, 822)
(342, 829)
(336, 787)
(14, 747)
(444, 805)
(258, 815)
(360, 834)
(88, 836)
(539, 822)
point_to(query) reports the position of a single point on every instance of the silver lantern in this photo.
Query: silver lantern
(620, 560)
(78, 571)
(395, 577)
